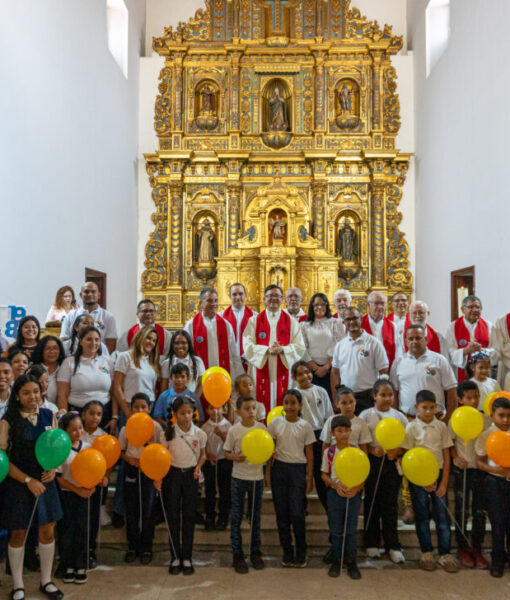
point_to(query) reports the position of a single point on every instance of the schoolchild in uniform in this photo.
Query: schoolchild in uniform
(23, 422)
(186, 443)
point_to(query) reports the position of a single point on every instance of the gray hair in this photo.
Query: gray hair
(294, 289)
(471, 298)
(342, 291)
(421, 303)
(369, 298)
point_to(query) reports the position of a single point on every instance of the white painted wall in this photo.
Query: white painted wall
(68, 157)
(462, 122)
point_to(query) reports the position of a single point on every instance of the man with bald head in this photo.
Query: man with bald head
(104, 321)
(376, 324)
(418, 315)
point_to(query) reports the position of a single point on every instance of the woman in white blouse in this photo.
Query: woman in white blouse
(136, 370)
(321, 333)
(181, 351)
(86, 376)
(50, 354)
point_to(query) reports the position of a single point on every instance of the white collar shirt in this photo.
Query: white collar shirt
(433, 436)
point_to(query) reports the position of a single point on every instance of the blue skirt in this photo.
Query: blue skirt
(18, 504)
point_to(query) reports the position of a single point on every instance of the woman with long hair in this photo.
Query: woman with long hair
(29, 331)
(50, 354)
(181, 351)
(81, 322)
(65, 302)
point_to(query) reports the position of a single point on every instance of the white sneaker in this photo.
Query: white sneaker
(396, 556)
(104, 517)
(373, 553)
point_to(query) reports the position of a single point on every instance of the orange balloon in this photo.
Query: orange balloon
(155, 461)
(217, 389)
(196, 417)
(498, 448)
(139, 429)
(88, 468)
(489, 400)
(109, 447)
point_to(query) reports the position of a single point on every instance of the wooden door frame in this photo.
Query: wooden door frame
(94, 275)
(454, 276)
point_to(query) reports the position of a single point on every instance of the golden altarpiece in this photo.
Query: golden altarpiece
(277, 163)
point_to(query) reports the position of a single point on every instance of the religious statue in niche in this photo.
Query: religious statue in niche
(347, 102)
(206, 105)
(347, 245)
(207, 100)
(205, 243)
(278, 229)
(277, 118)
(278, 276)
(345, 98)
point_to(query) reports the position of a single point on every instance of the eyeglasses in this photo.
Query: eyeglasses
(148, 311)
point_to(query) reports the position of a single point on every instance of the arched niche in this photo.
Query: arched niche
(276, 106)
(205, 244)
(347, 103)
(278, 226)
(348, 237)
(207, 98)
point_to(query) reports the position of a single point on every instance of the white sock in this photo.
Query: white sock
(176, 562)
(16, 556)
(46, 553)
(186, 563)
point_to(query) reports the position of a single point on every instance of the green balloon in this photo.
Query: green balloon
(4, 465)
(52, 448)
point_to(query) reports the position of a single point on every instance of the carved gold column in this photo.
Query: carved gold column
(376, 90)
(234, 95)
(234, 191)
(320, 92)
(178, 108)
(319, 191)
(378, 253)
(175, 262)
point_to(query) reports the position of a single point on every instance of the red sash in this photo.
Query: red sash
(408, 321)
(335, 316)
(388, 336)
(200, 341)
(229, 315)
(433, 343)
(508, 324)
(463, 338)
(303, 318)
(262, 335)
(161, 336)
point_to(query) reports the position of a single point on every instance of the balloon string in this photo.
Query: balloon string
(252, 514)
(31, 520)
(343, 539)
(88, 532)
(375, 492)
(167, 526)
(453, 519)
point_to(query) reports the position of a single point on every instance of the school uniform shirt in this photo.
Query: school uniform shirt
(133, 452)
(50, 406)
(70, 352)
(316, 407)
(320, 338)
(32, 418)
(104, 321)
(51, 393)
(433, 436)
(243, 470)
(193, 382)
(487, 387)
(136, 379)
(214, 443)
(65, 471)
(480, 443)
(186, 446)
(431, 371)
(372, 417)
(291, 439)
(89, 438)
(360, 433)
(467, 451)
(92, 380)
(359, 361)
(160, 410)
(327, 463)
(260, 411)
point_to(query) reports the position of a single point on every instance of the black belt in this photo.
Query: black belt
(186, 470)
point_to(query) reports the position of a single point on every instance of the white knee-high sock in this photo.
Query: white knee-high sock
(16, 556)
(46, 554)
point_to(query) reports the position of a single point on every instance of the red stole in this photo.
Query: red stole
(262, 335)
(463, 338)
(161, 336)
(200, 341)
(408, 322)
(433, 343)
(508, 324)
(229, 315)
(335, 316)
(388, 336)
(303, 318)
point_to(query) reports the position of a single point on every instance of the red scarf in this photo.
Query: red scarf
(463, 338)
(161, 335)
(262, 335)
(388, 336)
(200, 341)
(433, 343)
(229, 315)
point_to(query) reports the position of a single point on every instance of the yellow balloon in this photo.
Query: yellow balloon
(215, 370)
(487, 403)
(390, 433)
(420, 466)
(258, 446)
(351, 467)
(277, 411)
(467, 422)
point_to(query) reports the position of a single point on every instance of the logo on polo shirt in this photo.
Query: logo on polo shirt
(462, 343)
(194, 443)
(363, 352)
(104, 370)
(262, 335)
(430, 370)
(99, 325)
(200, 339)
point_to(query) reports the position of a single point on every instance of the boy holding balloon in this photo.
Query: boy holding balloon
(493, 456)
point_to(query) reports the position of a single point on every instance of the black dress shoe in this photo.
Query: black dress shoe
(130, 556)
(56, 594)
(175, 569)
(334, 569)
(146, 558)
(92, 560)
(117, 520)
(353, 571)
(11, 595)
(497, 570)
(188, 569)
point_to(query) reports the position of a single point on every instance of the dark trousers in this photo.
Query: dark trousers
(72, 530)
(180, 495)
(497, 490)
(95, 508)
(385, 505)
(139, 539)
(320, 486)
(323, 382)
(339, 509)
(421, 505)
(217, 477)
(474, 502)
(241, 488)
(364, 400)
(288, 486)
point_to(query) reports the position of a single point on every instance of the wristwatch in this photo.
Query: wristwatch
(27, 480)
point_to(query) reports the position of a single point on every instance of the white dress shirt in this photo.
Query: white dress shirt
(360, 433)
(92, 380)
(214, 443)
(320, 338)
(433, 436)
(186, 446)
(487, 387)
(376, 327)
(300, 313)
(195, 378)
(239, 315)
(291, 439)
(373, 416)
(136, 379)
(316, 408)
(243, 470)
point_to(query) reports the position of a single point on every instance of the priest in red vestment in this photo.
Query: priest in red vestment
(382, 327)
(418, 315)
(146, 313)
(238, 315)
(400, 316)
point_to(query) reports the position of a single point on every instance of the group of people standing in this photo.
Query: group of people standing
(336, 375)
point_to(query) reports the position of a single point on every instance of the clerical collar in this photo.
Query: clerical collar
(273, 314)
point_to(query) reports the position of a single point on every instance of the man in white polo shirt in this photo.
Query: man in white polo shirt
(421, 369)
(358, 361)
